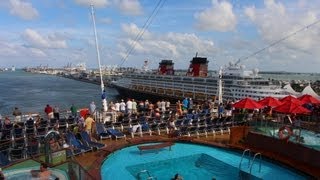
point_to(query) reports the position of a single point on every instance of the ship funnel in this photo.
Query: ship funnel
(166, 67)
(198, 67)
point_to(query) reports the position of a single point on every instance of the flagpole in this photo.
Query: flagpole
(103, 95)
(220, 87)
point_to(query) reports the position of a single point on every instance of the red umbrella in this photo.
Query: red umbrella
(247, 103)
(309, 99)
(270, 101)
(291, 99)
(291, 108)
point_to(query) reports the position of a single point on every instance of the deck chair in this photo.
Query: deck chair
(32, 147)
(87, 140)
(73, 141)
(116, 133)
(18, 132)
(4, 161)
(17, 154)
(101, 132)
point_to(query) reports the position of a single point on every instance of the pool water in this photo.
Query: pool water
(23, 174)
(191, 162)
(199, 166)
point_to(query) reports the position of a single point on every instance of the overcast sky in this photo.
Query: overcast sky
(58, 32)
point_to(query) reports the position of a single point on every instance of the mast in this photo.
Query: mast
(220, 87)
(103, 92)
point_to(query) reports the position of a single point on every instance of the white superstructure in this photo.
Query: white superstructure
(237, 83)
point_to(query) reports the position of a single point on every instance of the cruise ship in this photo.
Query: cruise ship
(198, 83)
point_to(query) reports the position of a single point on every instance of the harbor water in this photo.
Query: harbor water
(32, 92)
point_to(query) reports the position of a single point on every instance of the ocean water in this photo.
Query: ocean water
(32, 92)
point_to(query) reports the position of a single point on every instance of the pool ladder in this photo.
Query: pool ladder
(147, 172)
(250, 163)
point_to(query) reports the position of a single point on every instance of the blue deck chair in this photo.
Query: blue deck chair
(4, 161)
(87, 140)
(116, 133)
(101, 132)
(73, 141)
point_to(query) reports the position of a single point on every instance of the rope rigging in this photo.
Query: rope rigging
(141, 32)
(278, 41)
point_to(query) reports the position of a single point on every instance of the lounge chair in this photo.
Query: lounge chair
(87, 140)
(4, 161)
(17, 153)
(116, 133)
(101, 132)
(76, 144)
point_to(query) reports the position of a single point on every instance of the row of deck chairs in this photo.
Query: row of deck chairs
(80, 146)
(29, 129)
(188, 125)
(11, 151)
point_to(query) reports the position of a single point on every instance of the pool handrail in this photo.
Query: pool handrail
(243, 153)
(254, 157)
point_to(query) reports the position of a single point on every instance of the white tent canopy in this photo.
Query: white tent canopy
(308, 90)
(287, 88)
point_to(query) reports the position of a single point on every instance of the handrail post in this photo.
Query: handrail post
(253, 162)
(243, 153)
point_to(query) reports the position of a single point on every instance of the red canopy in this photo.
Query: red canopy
(291, 108)
(247, 103)
(309, 99)
(269, 101)
(291, 99)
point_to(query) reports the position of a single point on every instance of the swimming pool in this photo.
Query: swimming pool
(24, 173)
(191, 161)
(309, 138)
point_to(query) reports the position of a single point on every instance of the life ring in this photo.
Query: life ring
(284, 133)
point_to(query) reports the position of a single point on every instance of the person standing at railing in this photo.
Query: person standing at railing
(49, 111)
(89, 124)
(56, 112)
(74, 110)
(92, 109)
(17, 114)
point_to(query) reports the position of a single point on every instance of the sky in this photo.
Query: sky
(59, 32)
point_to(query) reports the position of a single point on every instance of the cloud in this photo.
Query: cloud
(219, 17)
(276, 20)
(96, 3)
(105, 20)
(34, 39)
(129, 7)
(23, 10)
(16, 50)
(132, 30)
(178, 46)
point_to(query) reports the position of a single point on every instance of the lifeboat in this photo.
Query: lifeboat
(169, 91)
(160, 91)
(188, 94)
(200, 96)
(178, 93)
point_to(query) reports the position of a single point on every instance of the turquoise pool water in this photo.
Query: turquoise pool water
(309, 138)
(191, 162)
(23, 174)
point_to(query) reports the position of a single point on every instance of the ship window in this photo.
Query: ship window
(187, 79)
